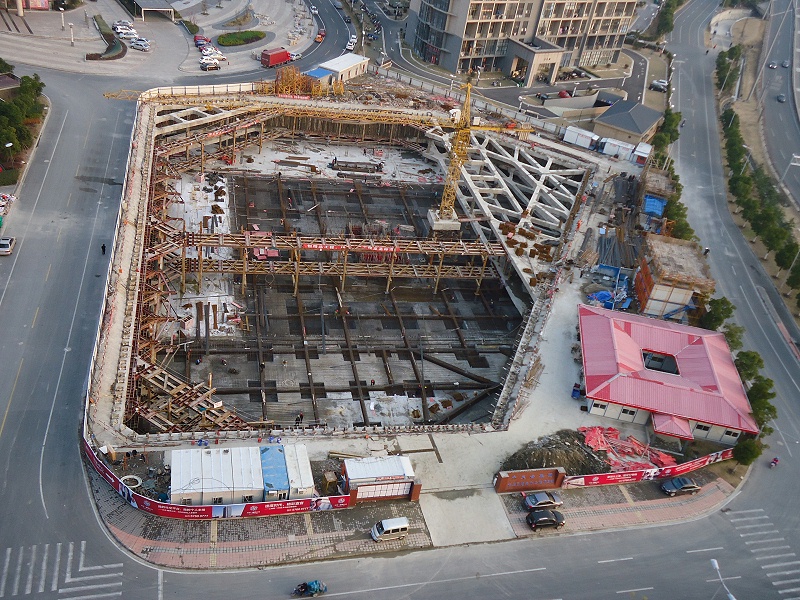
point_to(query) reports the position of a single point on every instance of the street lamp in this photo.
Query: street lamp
(721, 580)
(8, 150)
(794, 162)
(62, 18)
(747, 160)
(521, 101)
(452, 81)
(71, 36)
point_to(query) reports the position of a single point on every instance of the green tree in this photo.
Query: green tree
(719, 311)
(794, 276)
(748, 363)
(747, 451)
(759, 395)
(733, 335)
(787, 253)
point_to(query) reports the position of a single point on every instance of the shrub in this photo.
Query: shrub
(9, 177)
(240, 38)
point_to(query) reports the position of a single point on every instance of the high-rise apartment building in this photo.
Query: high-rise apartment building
(525, 40)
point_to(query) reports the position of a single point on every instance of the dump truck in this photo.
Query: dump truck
(275, 58)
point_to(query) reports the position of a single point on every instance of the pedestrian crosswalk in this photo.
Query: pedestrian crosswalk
(57, 571)
(769, 550)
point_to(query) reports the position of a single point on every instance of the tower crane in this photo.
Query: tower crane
(445, 219)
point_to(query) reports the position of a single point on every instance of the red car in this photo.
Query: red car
(200, 40)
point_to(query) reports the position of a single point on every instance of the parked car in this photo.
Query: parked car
(314, 10)
(141, 46)
(350, 46)
(773, 65)
(295, 55)
(781, 98)
(785, 64)
(210, 67)
(348, 20)
(372, 36)
(541, 500)
(128, 35)
(680, 485)
(319, 38)
(208, 49)
(127, 26)
(7, 245)
(122, 23)
(217, 56)
(539, 519)
(142, 40)
(207, 60)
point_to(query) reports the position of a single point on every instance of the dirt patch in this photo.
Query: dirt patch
(563, 448)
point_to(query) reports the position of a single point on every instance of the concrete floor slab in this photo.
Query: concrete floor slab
(465, 516)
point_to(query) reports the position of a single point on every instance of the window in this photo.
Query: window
(216, 500)
(246, 499)
(599, 406)
(701, 427)
(186, 501)
(731, 433)
(628, 411)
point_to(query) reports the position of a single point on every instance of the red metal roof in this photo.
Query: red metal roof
(674, 426)
(707, 389)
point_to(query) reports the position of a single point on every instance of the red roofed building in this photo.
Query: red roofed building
(680, 380)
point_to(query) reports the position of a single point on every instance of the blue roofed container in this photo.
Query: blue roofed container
(654, 206)
(273, 470)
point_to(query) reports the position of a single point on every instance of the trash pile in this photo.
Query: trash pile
(624, 455)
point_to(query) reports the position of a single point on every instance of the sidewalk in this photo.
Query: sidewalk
(331, 535)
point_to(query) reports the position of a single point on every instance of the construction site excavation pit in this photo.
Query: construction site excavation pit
(349, 341)
(281, 265)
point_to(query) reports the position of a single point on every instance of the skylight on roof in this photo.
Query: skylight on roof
(656, 361)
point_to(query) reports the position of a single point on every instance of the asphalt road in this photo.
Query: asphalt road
(49, 301)
(781, 126)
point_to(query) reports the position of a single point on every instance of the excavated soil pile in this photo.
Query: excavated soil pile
(563, 448)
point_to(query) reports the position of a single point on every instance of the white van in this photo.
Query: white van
(390, 529)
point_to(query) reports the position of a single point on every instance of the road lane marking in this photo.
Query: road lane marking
(785, 581)
(5, 573)
(29, 581)
(779, 573)
(743, 512)
(47, 275)
(610, 560)
(54, 584)
(634, 590)
(36, 314)
(17, 574)
(766, 541)
(43, 574)
(10, 397)
(776, 565)
(787, 555)
(769, 549)
(716, 579)
(704, 550)
(754, 526)
(421, 584)
(749, 518)
(758, 533)
(789, 591)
